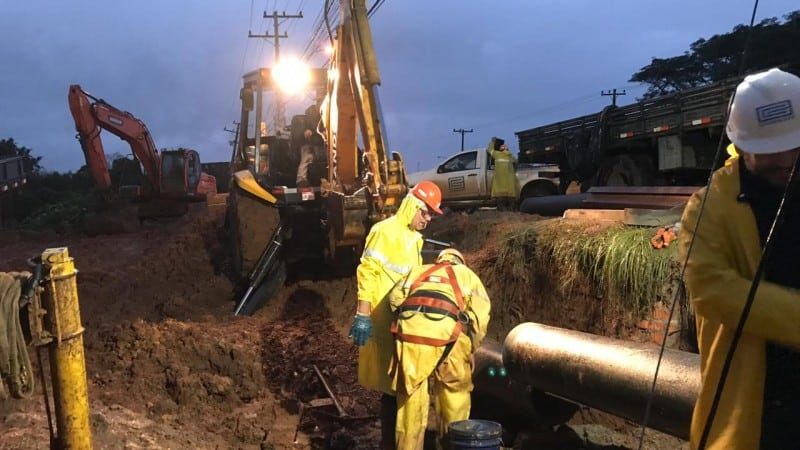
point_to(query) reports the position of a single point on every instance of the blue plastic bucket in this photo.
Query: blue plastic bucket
(466, 434)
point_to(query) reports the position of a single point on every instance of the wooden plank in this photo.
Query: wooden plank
(652, 217)
(615, 215)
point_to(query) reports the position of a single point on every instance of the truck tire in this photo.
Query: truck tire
(625, 170)
(251, 223)
(537, 189)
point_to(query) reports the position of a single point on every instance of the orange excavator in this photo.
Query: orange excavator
(172, 177)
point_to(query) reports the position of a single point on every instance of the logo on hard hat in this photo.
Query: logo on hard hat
(774, 112)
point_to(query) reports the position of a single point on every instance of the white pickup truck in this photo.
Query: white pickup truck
(466, 179)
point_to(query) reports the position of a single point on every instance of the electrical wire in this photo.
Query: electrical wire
(573, 102)
(299, 12)
(313, 46)
(374, 8)
(317, 28)
(244, 59)
(327, 21)
(583, 99)
(751, 295)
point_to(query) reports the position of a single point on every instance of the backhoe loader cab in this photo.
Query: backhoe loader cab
(273, 156)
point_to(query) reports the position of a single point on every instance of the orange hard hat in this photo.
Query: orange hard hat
(430, 194)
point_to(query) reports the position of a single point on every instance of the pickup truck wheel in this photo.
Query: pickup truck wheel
(539, 189)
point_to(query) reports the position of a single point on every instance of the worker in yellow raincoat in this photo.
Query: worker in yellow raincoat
(441, 316)
(393, 247)
(504, 181)
(761, 395)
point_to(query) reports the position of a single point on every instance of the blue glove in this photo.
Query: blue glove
(361, 329)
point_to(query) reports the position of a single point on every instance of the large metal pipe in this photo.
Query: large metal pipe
(514, 404)
(606, 374)
(552, 205)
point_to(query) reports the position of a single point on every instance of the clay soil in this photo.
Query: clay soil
(168, 365)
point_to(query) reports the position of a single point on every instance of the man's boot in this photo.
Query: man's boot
(388, 416)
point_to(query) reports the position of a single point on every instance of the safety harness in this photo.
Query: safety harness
(431, 302)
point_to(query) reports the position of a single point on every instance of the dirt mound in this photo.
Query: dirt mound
(186, 371)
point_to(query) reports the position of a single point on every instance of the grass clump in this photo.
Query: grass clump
(616, 261)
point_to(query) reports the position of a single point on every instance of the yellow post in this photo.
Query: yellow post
(67, 364)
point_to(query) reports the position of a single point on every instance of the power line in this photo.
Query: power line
(244, 59)
(317, 27)
(372, 10)
(299, 11)
(588, 98)
(321, 32)
(585, 99)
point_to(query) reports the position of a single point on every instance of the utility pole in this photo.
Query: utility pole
(462, 131)
(235, 133)
(280, 115)
(613, 93)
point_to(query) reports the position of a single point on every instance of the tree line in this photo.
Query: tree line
(773, 43)
(55, 200)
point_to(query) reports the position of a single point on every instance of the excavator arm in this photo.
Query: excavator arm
(352, 106)
(92, 115)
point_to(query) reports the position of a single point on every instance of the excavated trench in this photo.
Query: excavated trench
(169, 367)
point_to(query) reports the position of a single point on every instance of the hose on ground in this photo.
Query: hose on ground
(15, 363)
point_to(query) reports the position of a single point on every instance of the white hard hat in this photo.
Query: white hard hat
(764, 114)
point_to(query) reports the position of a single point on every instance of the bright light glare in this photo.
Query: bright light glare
(291, 75)
(329, 49)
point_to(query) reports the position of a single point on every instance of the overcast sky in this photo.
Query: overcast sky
(494, 66)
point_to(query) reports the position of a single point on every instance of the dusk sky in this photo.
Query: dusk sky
(497, 66)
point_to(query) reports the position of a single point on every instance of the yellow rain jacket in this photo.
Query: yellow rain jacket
(392, 249)
(504, 182)
(719, 273)
(415, 362)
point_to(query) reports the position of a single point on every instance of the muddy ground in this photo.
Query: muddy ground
(169, 367)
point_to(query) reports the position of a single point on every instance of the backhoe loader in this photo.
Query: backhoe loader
(353, 182)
